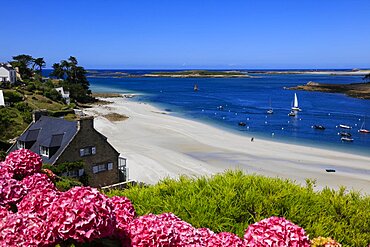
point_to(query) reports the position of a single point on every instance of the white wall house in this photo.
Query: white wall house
(7, 73)
(65, 94)
(2, 101)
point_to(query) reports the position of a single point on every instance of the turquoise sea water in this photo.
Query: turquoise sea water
(225, 102)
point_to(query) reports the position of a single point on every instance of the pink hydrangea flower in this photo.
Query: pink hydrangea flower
(275, 231)
(38, 181)
(38, 201)
(25, 230)
(24, 162)
(11, 191)
(225, 239)
(82, 214)
(124, 211)
(6, 171)
(153, 231)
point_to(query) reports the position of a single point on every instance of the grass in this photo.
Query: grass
(37, 101)
(233, 200)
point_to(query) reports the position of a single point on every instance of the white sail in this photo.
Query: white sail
(295, 105)
(2, 102)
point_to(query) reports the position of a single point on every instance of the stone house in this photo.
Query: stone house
(57, 141)
(7, 73)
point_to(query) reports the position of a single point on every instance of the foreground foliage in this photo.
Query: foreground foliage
(232, 201)
(33, 212)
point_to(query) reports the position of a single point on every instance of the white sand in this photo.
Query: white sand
(158, 145)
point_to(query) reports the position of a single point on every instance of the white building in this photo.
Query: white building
(65, 94)
(2, 102)
(7, 73)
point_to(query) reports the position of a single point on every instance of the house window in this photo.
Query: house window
(21, 144)
(102, 167)
(87, 151)
(44, 151)
(74, 173)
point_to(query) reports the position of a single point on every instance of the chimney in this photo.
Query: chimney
(85, 122)
(38, 113)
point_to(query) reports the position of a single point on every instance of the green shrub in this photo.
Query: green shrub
(12, 96)
(65, 183)
(232, 201)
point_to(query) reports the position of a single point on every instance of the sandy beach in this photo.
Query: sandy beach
(158, 145)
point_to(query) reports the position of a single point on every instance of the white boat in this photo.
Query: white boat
(346, 139)
(363, 130)
(295, 106)
(343, 126)
(292, 114)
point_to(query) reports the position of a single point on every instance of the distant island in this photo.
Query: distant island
(356, 90)
(171, 74)
(198, 74)
(353, 72)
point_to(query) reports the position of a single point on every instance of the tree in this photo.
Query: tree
(40, 63)
(23, 62)
(75, 80)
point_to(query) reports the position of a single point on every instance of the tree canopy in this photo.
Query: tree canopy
(74, 77)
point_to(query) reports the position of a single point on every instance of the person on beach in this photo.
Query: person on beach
(252, 139)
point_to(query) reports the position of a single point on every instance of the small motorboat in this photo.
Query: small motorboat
(346, 139)
(318, 127)
(343, 126)
(292, 114)
(343, 133)
(270, 111)
(242, 124)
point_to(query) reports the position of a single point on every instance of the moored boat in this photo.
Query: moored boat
(242, 124)
(195, 87)
(292, 114)
(318, 127)
(346, 139)
(343, 133)
(363, 130)
(343, 126)
(295, 106)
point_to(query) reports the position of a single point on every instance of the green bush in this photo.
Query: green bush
(12, 96)
(65, 183)
(232, 201)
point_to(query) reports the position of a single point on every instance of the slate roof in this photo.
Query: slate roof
(49, 132)
(8, 68)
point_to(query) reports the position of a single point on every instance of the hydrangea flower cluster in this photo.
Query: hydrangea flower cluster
(276, 231)
(23, 162)
(45, 216)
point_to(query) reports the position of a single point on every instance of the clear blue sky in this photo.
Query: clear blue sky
(190, 33)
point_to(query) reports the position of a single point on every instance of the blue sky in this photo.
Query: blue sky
(190, 33)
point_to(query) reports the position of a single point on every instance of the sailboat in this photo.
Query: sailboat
(195, 87)
(295, 104)
(363, 130)
(270, 111)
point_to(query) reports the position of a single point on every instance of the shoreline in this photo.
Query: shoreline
(158, 145)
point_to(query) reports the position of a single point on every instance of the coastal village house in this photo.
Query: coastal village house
(64, 94)
(7, 73)
(57, 140)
